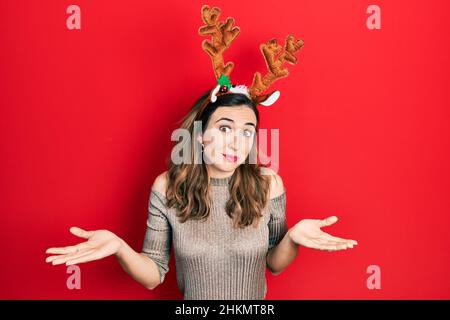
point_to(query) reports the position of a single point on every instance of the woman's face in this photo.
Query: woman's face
(229, 137)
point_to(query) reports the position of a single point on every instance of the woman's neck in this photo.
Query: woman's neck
(217, 174)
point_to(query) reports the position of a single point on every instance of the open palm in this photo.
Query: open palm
(99, 244)
(307, 233)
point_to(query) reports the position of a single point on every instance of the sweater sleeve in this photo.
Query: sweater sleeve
(277, 223)
(158, 236)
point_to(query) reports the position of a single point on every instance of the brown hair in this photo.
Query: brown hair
(187, 187)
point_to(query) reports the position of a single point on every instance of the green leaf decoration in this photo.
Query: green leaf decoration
(224, 81)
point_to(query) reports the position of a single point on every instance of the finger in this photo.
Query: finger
(328, 221)
(89, 257)
(334, 243)
(62, 250)
(62, 256)
(328, 247)
(326, 236)
(68, 249)
(337, 247)
(64, 259)
(81, 232)
(52, 258)
(337, 239)
(324, 241)
(342, 246)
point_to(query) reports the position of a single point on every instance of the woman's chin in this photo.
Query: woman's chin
(226, 166)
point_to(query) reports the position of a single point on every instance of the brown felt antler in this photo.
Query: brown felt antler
(222, 35)
(274, 64)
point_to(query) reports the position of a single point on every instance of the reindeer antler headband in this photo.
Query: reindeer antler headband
(222, 36)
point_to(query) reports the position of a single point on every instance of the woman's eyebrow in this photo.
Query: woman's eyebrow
(227, 119)
(231, 120)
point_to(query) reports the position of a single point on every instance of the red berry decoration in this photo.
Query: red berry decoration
(223, 89)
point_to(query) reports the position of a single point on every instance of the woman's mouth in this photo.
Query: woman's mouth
(230, 158)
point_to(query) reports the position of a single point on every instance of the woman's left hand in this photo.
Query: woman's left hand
(308, 234)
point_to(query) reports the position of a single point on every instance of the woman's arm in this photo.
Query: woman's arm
(101, 244)
(306, 232)
(150, 266)
(140, 267)
(280, 256)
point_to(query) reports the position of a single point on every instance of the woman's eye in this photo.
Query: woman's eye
(248, 133)
(225, 129)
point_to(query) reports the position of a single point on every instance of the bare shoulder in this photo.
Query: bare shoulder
(276, 183)
(160, 183)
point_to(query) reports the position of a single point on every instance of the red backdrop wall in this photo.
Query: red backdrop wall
(86, 119)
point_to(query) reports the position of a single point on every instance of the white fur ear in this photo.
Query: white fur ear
(213, 94)
(271, 99)
(240, 89)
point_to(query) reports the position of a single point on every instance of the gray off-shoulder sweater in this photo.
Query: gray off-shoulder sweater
(213, 260)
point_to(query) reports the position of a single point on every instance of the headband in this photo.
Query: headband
(222, 36)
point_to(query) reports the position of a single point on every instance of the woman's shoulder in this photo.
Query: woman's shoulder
(160, 183)
(276, 183)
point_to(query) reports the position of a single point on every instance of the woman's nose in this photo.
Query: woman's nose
(235, 141)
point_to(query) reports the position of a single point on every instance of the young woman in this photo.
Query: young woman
(224, 216)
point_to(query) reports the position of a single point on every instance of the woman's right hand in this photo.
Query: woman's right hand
(99, 244)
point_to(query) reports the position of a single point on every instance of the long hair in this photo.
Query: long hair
(187, 188)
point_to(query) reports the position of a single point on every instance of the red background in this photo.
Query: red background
(86, 118)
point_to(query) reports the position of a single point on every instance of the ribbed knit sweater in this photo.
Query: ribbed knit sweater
(213, 260)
